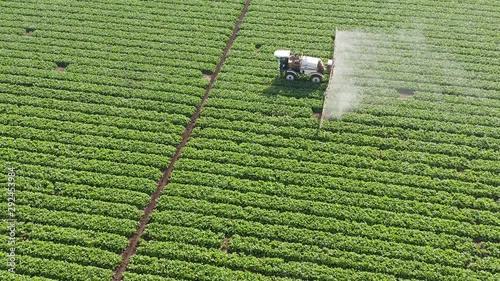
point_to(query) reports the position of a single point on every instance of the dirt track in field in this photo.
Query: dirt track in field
(134, 240)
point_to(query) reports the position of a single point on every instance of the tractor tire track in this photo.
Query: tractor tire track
(134, 240)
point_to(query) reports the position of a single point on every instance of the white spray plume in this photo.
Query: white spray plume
(342, 94)
(401, 60)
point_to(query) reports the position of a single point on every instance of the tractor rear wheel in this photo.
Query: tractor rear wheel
(315, 78)
(290, 76)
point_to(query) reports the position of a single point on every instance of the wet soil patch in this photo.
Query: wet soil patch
(405, 93)
(317, 112)
(61, 65)
(207, 74)
(225, 244)
(29, 31)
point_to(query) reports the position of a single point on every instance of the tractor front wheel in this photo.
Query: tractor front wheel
(290, 76)
(316, 78)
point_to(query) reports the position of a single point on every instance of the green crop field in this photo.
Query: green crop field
(155, 140)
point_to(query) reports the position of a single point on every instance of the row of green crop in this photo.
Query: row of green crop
(83, 206)
(343, 207)
(489, 133)
(70, 236)
(247, 94)
(55, 175)
(104, 60)
(354, 193)
(103, 55)
(91, 79)
(366, 169)
(78, 164)
(98, 26)
(437, 73)
(129, 23)
(240, 266)
(349, 141)
(150, 277)
(366, 17)
(456, 100)
(91, 222)
(438, 114)
(429, 77)
(138, 101)
(153, 46)
(167, 122)
(408, 81)
(359, 124)
(360, 245)
(129, 89)
(300, 89)
(263, 265)
(421, 63)
(114, 52)
(396, 128)
(124, 26)
(330, 152)
(67, 253)
(425, 185)
(85, 152)
(318, 216)
(436, 41)
(143, 266)
(42, 108)
(100, 70)
(385, 79)
(81, 191)
(445, 105)
(106, 147)
(7, 276)
(345, 154)
(336, 258)
(84, 129)
(342, 234)
(452, 10)
(278, 106)
(205, 238)
(37, 268)
(138, 13)
(365, 134)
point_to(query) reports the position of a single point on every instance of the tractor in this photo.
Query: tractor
(293, 65)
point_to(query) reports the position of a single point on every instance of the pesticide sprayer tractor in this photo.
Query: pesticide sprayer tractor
(293, 65)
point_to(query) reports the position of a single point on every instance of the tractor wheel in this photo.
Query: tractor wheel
(316, 78)
(290, 76)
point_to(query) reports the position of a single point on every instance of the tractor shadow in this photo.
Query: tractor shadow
(300, 88)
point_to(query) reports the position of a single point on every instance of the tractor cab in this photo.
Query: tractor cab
(283, 60)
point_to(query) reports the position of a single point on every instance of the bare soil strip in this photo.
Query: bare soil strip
(225, 244)
(134, 240)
